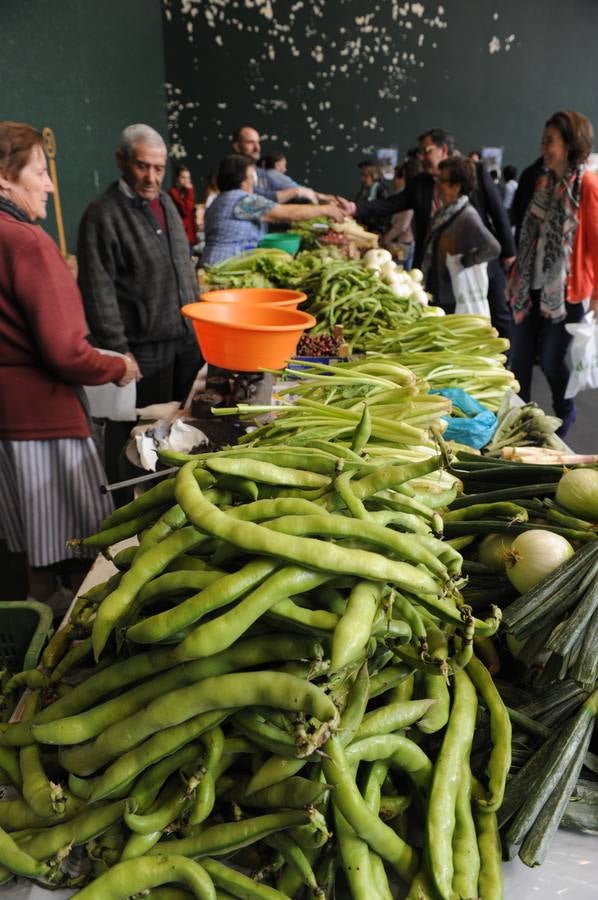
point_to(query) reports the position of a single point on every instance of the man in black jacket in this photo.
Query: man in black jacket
(135, 272)
(421, 195)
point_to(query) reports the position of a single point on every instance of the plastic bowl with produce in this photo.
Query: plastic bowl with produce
(247, 338)
(262, 296)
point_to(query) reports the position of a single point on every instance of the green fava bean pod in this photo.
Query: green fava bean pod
(172, 583)
(106, 538)
(466, 855)
(402, 752)
(16, 815)
(490, 880)
(308, 552)
(170, 806)
(273, 771)
(292, 793)
(356, 860)
(266, 473)
(342, 486)
(436, 685)
(146, 566)
(9, 763)
(220, 840)
(171, 520)
(79, 650)
(19, 861)
(499, 763)
(352, 632)
(406, 547)
(135, 876)
(382, 839)
(221, 632)
(237, 884)
(452, 759)
(226, 590)
(90, 823)
(222, 692)
(154, 750)
(393, 717)
(138, 844)
(45, 798)
(205, 794)
(392, 476)
(86, 725)
(157, 495)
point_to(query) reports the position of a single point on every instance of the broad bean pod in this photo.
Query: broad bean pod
(146, 566)
(220, 840)
(499, 763)
(135, 876)
(94, 820)
(453, 756)
(226, 590)
(205, 794)
(466, 854)
(347, 798)
(266, 472)
(407, 547)
(353, 630)
(238, 884)
(86, 725)
(401, 751)
(393, 717)
(221, 632)
(302, 551)
(159, 746)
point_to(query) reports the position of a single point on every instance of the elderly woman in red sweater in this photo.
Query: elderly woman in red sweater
(555, 277)
(50, 471)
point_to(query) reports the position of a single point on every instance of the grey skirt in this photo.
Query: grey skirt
(49, 493)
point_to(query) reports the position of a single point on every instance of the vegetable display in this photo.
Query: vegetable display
(286, 689)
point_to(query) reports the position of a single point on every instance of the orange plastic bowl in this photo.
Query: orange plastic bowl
(247, 338)
(277, 296)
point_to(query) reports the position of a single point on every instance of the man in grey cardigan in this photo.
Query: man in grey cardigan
(135, 272)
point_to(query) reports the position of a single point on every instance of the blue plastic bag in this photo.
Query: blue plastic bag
(479, 426)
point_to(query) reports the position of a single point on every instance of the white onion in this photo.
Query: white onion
(493, 551)
(534, 555)
(577, 491)
(388, 271)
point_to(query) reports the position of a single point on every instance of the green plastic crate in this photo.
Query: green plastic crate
(24, 627)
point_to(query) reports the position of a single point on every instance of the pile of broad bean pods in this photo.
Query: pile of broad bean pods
(280, 675)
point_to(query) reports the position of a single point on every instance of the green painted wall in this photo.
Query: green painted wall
(86, 68)
(332, 79)
(329, 80)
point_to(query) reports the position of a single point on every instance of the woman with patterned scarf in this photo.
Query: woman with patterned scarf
(555, 277)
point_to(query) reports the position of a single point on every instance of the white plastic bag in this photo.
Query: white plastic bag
(470, 286)
(583, 355)
(108, 401)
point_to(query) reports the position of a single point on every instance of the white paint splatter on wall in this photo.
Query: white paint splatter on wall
(314, 68)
